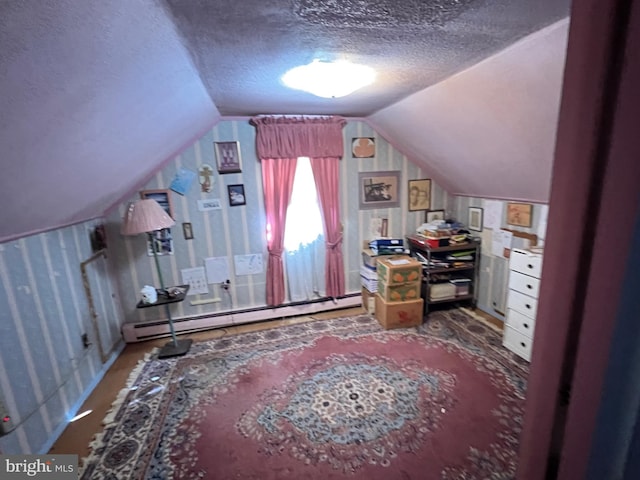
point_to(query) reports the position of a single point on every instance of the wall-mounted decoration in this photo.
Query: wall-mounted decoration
(419, 195)
(98, 239)
(196, 279)
(181, 183)
(187, 231)
(163, 240)
(163, 197)
(475, 219)
(209, 204)
(434, 215)
(363, 147)
(248, 264)
(379, 189)
(519, 214)
(228, 157)
(205, 177)
(236, 195)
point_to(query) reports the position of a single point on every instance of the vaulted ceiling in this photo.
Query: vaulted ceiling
(97, 95)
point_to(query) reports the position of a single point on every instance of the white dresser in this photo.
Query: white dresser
(522, 301)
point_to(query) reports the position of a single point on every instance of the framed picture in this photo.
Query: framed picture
(187, 231)
(236, 195)
(419, 195)
(379, 189)
(475, 219)
(519, 214)
(228, 157)
(363, 147)
(163, 242)
(98, 238)
(163, 197)
(434, 215)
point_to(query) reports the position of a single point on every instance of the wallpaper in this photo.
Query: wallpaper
(494, 269)
(231, 231)
(46, 372)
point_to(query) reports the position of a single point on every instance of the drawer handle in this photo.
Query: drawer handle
(522, 344)
(528, 306)
(529, 286)
(526, 325)
(530, 266)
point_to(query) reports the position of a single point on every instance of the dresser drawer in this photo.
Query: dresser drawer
(524, 284)
(517, 343)
(526, 262)
(520, 322)
(522, 303)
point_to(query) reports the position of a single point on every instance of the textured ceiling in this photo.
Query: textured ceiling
(242, 48)
(97, 95)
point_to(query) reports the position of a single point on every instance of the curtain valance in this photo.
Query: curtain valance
(292, 137)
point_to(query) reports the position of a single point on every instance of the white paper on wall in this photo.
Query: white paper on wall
(196, 279)
(217, 269)
(501, 241)
(209, 204)
(492, 214)
(248, 264)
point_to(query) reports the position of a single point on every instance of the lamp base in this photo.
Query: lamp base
(177, 349)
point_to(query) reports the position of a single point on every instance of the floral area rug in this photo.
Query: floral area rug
(328, 399)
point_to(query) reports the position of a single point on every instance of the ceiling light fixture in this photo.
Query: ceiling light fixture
(329, 80)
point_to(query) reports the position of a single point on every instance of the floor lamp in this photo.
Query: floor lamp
(147, 216)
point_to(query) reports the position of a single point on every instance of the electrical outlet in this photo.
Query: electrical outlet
(225, 284)
(85, 341)
(6, 424)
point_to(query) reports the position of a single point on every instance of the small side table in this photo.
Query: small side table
(174, 348)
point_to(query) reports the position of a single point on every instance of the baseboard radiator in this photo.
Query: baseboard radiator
(138, 332)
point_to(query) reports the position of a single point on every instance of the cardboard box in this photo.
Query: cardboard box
(398, 270)
(369, 258)
(368, 301)
(399, 293)
(399, 314)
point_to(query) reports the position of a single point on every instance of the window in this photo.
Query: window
(304, 238)
(304, 220)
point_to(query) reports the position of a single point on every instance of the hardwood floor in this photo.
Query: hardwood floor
(78, 435)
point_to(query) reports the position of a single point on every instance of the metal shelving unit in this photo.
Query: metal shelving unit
(437, 274)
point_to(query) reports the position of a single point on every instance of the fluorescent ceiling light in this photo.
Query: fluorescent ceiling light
(329, 80)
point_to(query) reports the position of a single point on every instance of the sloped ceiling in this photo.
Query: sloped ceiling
(97, 96)
(488, 131)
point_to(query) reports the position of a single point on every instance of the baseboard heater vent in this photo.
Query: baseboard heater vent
(138, 332)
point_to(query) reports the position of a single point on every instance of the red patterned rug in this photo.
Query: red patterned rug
(328, 399)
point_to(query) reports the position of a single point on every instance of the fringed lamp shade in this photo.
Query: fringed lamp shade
(145, 216)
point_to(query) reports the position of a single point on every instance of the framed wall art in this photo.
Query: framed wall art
(433, 215)
(379, 189)
(187, 230)
(519, 214)
(363, 147)
(228, 157)
(475, 219)
(236, 195)
(163, 197)
(163, 242)
(419, 195)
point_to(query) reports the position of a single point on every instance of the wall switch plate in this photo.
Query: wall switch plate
(6, 424)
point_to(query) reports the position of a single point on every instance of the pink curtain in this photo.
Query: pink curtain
(325, 175)
(279, 142)
(277, 183)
